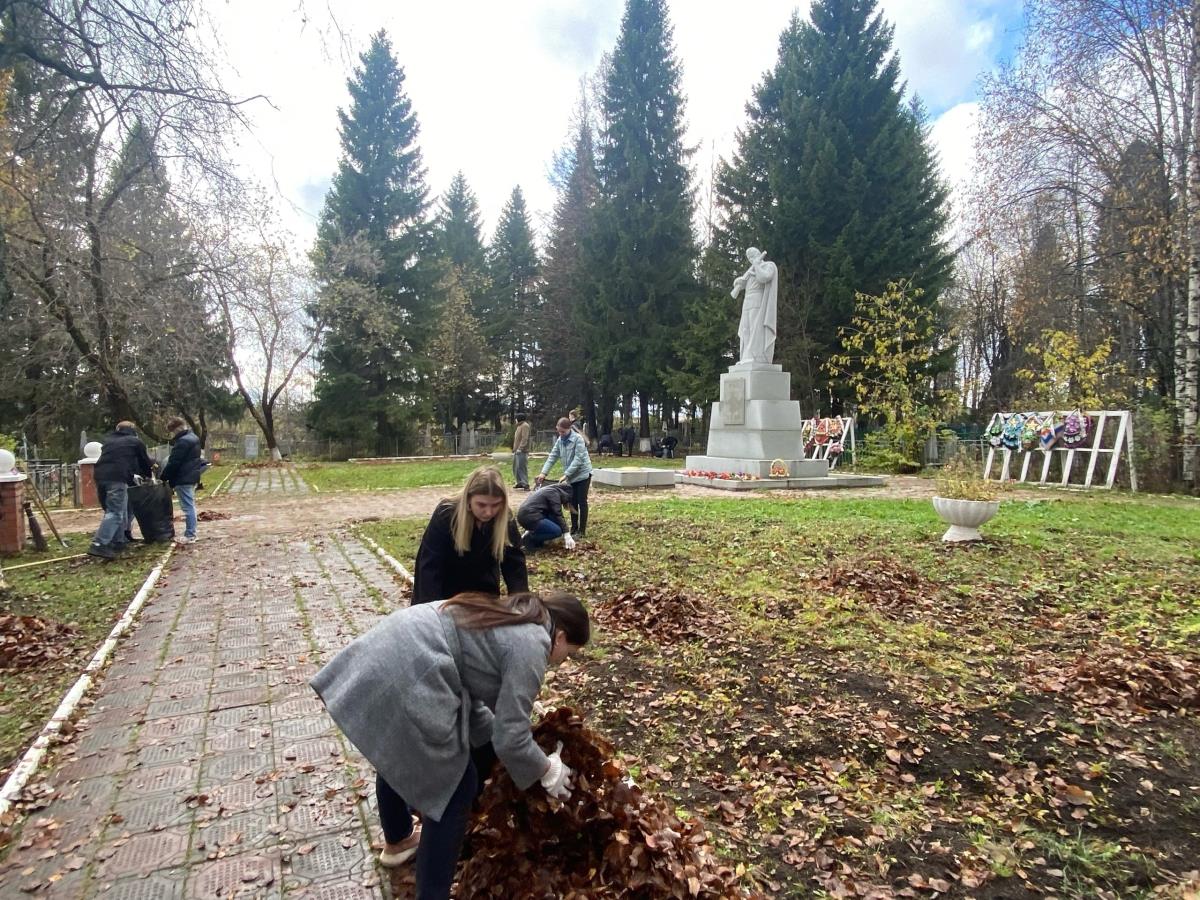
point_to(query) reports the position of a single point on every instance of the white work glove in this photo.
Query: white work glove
(556, 781)
(568, 541)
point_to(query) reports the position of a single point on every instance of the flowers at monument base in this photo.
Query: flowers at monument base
(779, 469)
(721, 476)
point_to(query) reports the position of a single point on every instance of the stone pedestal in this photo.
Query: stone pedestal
(755, 422)
(89, 496)
(12, 513)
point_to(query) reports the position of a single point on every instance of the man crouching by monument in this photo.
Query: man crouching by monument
(123, 456)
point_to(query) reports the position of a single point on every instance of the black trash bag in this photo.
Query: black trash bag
(150, 504)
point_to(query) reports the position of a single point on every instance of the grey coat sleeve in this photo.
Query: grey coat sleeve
(512, 736)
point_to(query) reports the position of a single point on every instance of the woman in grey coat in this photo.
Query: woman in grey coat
(427, 684)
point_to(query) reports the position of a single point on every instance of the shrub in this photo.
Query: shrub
(960, 479)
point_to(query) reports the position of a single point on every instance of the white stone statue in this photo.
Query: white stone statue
(756, 330)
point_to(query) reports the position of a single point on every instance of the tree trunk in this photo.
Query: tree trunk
(1191, 335)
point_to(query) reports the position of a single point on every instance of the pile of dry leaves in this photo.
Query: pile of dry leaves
(209, 515)
(608, 840)
(27, 641)
(884, 582)
(1128, 679)
(664, 615)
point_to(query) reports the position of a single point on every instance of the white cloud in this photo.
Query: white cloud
(945, 44)
(953, 136)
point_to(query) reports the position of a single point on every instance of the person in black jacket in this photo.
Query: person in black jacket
(123, 456)
(182, 472)
(471, 539)
(541, 515)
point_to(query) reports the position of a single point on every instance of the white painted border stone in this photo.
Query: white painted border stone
(29, 763)
(394, 563)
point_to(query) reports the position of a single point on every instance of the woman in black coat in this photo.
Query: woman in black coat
(470, 541)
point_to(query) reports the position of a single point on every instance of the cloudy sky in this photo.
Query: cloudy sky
(494, 82)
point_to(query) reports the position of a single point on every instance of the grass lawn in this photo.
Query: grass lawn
(212, 478)
(328, 477)
(852, 705)
(75, 604)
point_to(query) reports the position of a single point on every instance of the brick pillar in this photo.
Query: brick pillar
(12, 516)
(89, 496)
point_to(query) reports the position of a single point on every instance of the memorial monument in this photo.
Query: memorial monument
(756, 422)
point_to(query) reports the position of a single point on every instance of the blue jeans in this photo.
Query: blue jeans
(546, 530)
(114, 497)
(187, 503)
(441, 841)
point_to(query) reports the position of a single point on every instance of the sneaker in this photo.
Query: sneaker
(408, 849)
(101, 551)
(186, 540)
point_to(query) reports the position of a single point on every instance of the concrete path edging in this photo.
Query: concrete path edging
(395, 564)
(29, 763)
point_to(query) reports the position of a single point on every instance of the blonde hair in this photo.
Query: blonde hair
(485, 481)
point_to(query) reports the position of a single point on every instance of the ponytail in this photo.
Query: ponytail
(564, 611)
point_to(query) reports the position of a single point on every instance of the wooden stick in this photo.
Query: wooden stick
(46, 513)
(46, 562)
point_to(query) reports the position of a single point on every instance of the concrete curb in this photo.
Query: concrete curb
(387, 558)
(29, 763)
(217, 489)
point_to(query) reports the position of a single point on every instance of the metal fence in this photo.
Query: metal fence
(56, 481)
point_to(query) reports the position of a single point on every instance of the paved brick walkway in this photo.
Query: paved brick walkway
(266, 480)
(206, 766)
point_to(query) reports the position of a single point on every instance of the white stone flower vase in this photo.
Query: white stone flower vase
(964, 517)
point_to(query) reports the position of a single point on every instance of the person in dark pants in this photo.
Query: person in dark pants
(571, 448)
(122, 457)
(541, 515)
(422, 687)
(628, 436)
(521, 453)
(182, 472)
(470, 541)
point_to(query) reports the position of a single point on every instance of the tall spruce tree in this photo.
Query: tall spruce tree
(516, 298)
(834, 180)
(563, 377)
(459, 229)
(642, 250)
(374, 262)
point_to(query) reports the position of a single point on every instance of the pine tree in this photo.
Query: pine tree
(834, 180)
(563, 379)
(642, 251)
(516, 297)
(374, 260)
